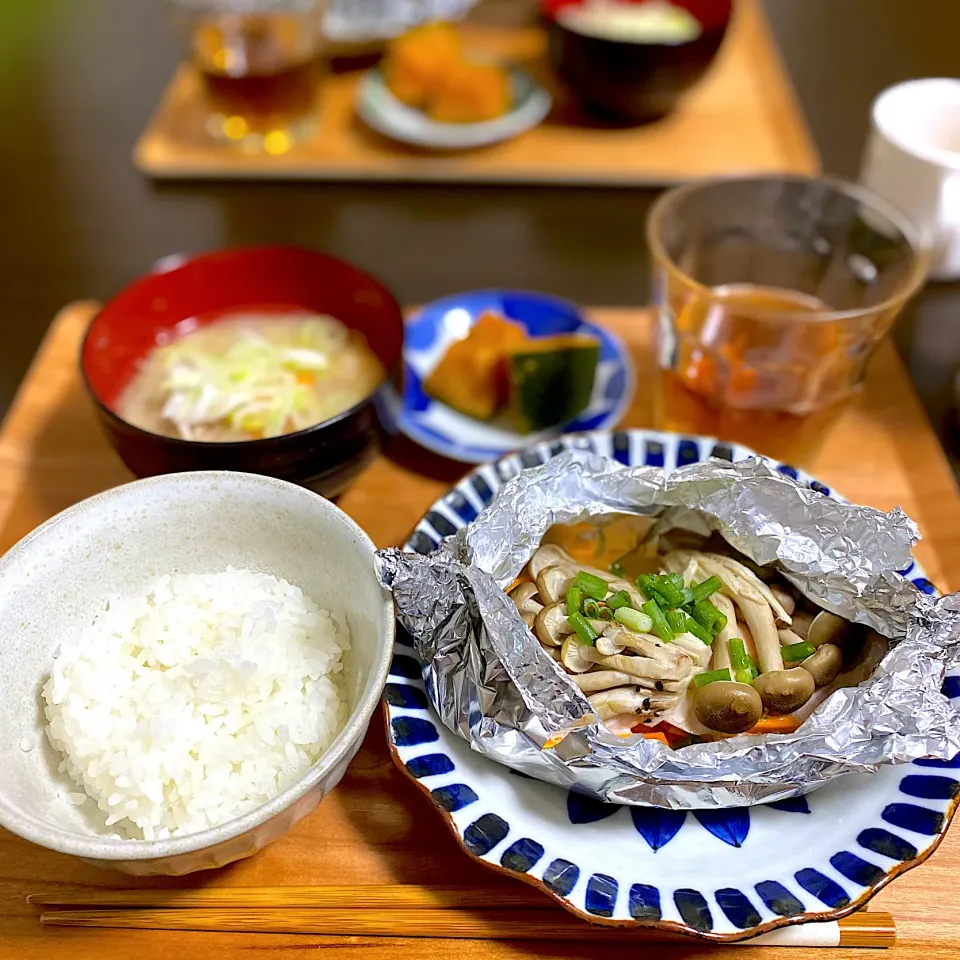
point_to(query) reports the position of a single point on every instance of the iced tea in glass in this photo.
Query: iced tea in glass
(259, 65)
(772, 293)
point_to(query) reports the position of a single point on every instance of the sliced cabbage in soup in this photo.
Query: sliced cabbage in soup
(251, 376)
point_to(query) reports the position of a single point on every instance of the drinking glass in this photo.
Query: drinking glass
(259, 65)
(772, 293)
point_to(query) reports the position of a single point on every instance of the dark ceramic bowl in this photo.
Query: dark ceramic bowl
(630, 81)
(325, 457)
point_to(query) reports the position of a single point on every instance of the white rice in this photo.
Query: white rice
(196, 701)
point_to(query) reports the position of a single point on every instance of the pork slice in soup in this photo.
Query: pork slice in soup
(250, 376)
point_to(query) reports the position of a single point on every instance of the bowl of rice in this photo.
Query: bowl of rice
(189, 664)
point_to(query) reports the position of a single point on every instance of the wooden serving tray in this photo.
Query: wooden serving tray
(375, 827)
(743, 117)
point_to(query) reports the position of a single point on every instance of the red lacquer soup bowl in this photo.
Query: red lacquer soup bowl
(274, 280)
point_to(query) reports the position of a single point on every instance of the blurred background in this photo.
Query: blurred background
(78, 82)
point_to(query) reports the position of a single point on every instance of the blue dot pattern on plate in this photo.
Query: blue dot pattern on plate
(522, 855)
(918, 798)
(444, 431)
(738, 909)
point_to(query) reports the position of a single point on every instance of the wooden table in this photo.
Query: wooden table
(375, 828)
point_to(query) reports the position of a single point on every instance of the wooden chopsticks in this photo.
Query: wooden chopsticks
(390, 911)
(360, 897)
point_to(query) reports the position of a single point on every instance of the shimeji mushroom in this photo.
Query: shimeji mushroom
(753, 597)
(738, 580)
(552, 625)
(615, 639)
(556, 558)
(827, 627)
(824, 666)
(602, 680)
(525, 595)
(759, 619)
(642, 667)
(784, 598)
(549, 555)
(610, 703)
(694, 647)
(721, 642)
(572, 655)
(783, 691)
(873, 650)
(553, 583)
(605, 679)
(523, 592)
(727, 707)
(579, 657)
(802, 621)
(788, 638)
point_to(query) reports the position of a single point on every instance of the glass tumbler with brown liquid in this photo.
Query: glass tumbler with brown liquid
(772, 293)
(259, 65)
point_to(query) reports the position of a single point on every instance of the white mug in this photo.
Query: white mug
(912, 158)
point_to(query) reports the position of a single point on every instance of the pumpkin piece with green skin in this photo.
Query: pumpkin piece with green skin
(551, 380)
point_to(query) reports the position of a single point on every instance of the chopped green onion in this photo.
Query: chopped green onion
(643, 581)
(574, 600)
(620, 599)
(582, 628)
(711, 676)
(633, 619)
(698, 630)
(709, 586)
(591, 608)
(738, 654)
(677, 620)
(675, 578)
(667, 587)
(658, 622)
(797, 651)
(744, 666)
(591, 586)
(687, 597)
(606, 613)
(706, 613)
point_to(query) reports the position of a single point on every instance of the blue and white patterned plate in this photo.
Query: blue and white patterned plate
(437, 427)
(720, 875)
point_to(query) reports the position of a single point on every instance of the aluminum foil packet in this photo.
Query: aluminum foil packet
(492, 684)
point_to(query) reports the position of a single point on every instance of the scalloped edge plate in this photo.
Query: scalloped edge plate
(903, 823)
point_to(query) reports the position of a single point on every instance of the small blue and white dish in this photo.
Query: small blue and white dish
(383, 112)
(706, 873)
(443, 430)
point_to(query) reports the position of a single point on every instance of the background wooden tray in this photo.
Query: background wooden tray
(375, 827)
(743, 117)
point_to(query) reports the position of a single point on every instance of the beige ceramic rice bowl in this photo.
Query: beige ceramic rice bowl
(53, 583)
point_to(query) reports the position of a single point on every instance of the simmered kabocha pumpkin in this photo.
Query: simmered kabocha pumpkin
(551, 380)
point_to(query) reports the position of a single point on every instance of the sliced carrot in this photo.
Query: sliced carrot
(306, 378)
(776, 724)
(664, 732)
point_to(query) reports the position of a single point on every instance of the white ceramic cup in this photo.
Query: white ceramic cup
(912, 158)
